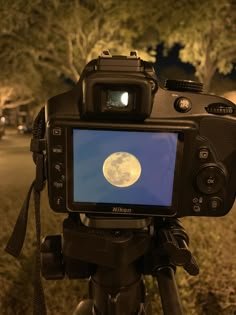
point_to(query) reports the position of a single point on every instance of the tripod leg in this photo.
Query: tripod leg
(117, 291)
(85, 307)
(168, 291)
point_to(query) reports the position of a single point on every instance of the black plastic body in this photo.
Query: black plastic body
(117, 263)
(206, 177)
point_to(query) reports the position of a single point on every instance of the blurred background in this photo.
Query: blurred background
(44, 46)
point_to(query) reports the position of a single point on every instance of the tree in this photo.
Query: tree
(206, 32)
(65, 35)
(43, 44)
(57, 38)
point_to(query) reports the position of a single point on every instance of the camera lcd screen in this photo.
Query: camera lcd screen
(124, 167)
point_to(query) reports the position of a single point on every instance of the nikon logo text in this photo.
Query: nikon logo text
(121, 210)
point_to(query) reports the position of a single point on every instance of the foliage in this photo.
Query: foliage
(46, 44)
(206, 31)
(57, 38)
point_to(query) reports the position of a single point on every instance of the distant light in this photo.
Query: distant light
(124, 98)
(3, 119)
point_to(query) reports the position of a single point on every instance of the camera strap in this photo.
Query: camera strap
(16, 241)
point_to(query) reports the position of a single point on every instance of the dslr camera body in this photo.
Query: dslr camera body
(120, 145)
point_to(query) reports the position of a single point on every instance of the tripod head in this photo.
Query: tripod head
(115, 261)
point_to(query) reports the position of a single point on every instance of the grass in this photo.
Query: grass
(212, 241)
(16, 294)
(213, 244)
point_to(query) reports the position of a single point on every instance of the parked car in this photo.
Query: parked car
(23, 128)
(2, 126)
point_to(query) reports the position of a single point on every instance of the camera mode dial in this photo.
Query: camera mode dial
(184, 85)
(210, 179)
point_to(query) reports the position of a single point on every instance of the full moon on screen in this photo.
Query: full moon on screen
(121, 169)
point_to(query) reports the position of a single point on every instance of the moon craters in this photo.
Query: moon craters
(121, 169)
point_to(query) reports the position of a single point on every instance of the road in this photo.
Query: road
(16, 164)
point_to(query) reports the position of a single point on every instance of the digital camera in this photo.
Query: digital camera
(119, 144)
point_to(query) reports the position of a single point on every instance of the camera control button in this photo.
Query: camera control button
(58, 167)
(57, 131)
(183, 105)
(58, 184)
(197, 200)
(184, 85)
(215, 203)
(196, 208)
(203, 154)
(59, 202)
(200, 200)
(57, 149)
(220, 109)
(210, 180)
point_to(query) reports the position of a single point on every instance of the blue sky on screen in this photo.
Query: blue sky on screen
(156, 152)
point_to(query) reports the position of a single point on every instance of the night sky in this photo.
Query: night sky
(172, 59)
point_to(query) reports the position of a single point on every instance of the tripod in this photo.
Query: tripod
(115, 260)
